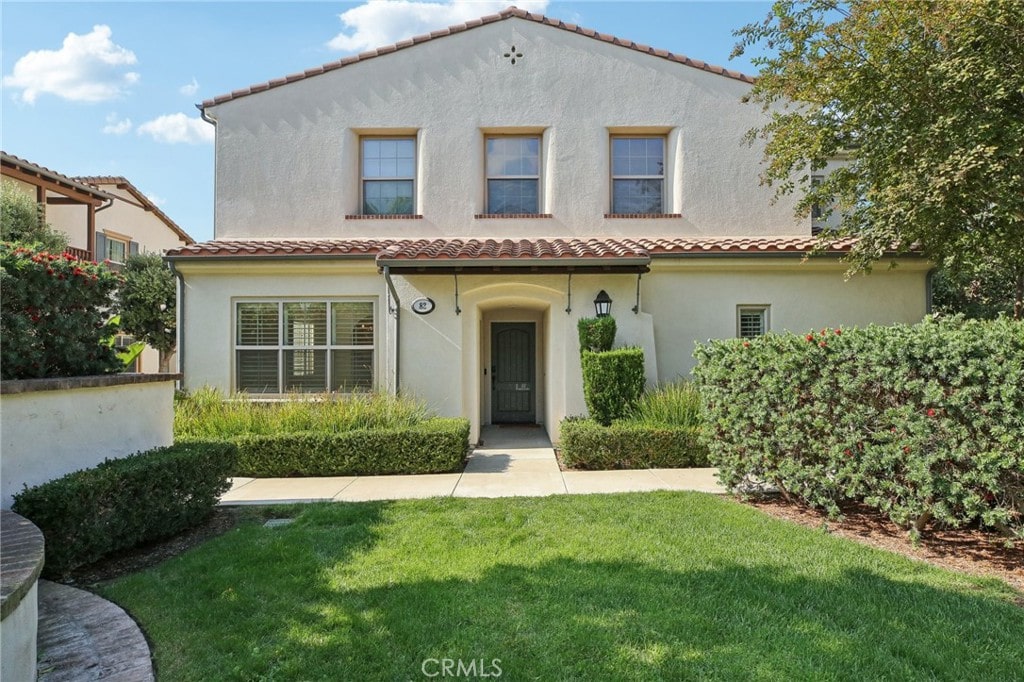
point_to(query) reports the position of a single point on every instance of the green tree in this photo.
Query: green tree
(147, 302)
(923, 101)
(21, 220)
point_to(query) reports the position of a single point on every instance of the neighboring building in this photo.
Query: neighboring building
(78, 203)
(105, 218)
(435, 217)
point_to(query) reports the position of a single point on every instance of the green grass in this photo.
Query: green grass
(205, 413)
(607, 587)
(671, 404)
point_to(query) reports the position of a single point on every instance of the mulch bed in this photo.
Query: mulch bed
(967, 550)
(116, 565)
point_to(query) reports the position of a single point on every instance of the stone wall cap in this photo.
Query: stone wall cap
(21, 559)
(14, 386)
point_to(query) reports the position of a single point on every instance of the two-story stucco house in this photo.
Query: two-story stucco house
(435, 217)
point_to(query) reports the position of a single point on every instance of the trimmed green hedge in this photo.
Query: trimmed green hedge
(585, 444)
(597, 334)
(123, 503)
(433, 446)
(921, 422)
(613, 382)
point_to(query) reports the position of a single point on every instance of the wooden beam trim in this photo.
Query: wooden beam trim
(38, 181)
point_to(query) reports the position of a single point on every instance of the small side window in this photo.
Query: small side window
(751, 321)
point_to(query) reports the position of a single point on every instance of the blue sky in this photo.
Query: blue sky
(104, 88)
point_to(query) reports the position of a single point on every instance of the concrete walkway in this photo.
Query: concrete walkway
(512, 461)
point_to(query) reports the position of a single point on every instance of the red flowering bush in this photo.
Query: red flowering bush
(53, 315)
(923, 422)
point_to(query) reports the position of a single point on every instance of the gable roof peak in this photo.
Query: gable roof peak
(508, 13)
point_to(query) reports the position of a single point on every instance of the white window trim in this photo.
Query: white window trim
(613, 177)
(540, 169)
(281, 347)
(765, 311)
(363, 179)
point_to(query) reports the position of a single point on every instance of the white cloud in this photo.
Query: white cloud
(116, 126)
(189, 89)
(87, 68)
(178, 128)
(383, 22)
(159, 201)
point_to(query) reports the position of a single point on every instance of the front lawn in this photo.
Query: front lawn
(634, 586)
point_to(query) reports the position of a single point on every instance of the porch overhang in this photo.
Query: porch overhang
(523, 257)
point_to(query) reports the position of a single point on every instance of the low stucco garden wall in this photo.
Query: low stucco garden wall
(51, 427)
(21, 560)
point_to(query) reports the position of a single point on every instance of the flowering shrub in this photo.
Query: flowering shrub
(52, 315)
(921, 422)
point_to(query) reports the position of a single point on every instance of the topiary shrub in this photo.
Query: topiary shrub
(597, 334)
(53, 315)
(126, 502)
(435, 446)
(613, 382)
(921, 422)
(585, 444)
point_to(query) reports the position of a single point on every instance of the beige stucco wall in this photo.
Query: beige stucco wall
(287, 158)
(444, 354)
(129, 218)
(696, 299)
(207, 309)
(46, 434)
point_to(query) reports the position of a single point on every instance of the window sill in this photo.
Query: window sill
(642, 216)
(394, 216)
(514, 216)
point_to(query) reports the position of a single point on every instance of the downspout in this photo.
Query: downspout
(396, 310)
(180, 326)
(929, 293)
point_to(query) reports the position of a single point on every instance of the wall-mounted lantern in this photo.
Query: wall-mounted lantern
(603, 304)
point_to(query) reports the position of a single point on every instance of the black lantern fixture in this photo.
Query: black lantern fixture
(603, 304)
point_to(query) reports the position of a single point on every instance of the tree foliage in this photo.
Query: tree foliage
(923, 101)
(148, 304)
(21, 220)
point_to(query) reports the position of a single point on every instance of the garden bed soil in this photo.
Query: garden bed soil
(116, 565)
(966, 550)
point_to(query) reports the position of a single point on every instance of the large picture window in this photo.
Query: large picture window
(513, 175)
(389, 175)
(309, 346)
(638, 174)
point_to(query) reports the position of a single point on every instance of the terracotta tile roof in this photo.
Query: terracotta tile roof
(523, 249)
(473, 23)
(53, 176)
(406, 250)
(365, 248)
(738, 245)
(123, 183)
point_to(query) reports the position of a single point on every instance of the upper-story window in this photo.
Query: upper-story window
(513, 174)
(638, 174)
(117, 250)
(388, 175)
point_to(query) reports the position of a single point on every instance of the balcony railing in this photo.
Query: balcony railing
(80, 254)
